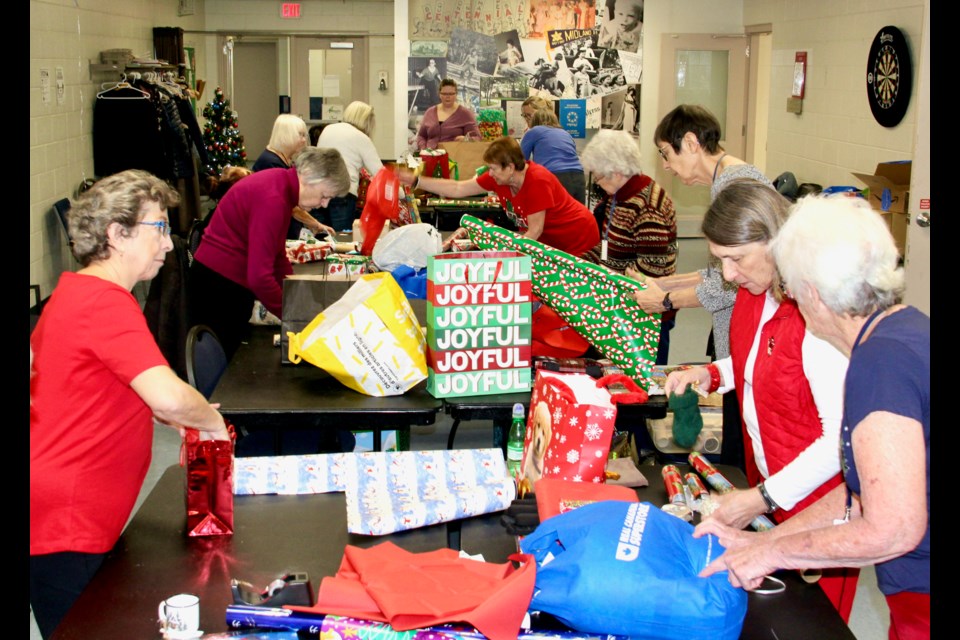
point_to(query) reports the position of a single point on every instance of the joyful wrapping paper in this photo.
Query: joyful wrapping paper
(594, 301)
(398, 490)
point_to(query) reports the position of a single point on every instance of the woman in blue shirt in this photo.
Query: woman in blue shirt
(553, 148)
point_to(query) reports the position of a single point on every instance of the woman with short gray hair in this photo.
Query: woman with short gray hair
(839, 263)
(242, 256)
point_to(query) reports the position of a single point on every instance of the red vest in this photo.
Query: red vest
(786, 410)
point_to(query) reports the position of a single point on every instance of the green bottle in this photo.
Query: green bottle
(518, 431)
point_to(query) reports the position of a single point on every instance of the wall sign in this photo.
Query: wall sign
(889, 76)
(799, 74)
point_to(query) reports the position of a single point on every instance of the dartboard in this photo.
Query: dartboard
(889, 76)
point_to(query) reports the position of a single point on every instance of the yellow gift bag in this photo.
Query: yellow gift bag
(370, 339)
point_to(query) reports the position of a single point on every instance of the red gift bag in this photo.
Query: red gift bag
(569, 428)
(382, 203)
(209, 465)
(436, 164)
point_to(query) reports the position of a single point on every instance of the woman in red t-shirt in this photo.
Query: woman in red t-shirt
(532, 197)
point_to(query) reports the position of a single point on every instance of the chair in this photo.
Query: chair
(62, 206)
(206, 359)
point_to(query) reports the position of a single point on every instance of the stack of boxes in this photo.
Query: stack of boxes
(478, 323)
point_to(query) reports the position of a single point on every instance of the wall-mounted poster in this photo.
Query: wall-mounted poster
(435, 19)
(509, 52)
(573, 117)
(423, 83)
(621, 25)
(546, 15)
(629, 117)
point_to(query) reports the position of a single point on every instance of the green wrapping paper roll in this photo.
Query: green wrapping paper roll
(594, 301)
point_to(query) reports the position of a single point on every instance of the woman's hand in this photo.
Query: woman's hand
(677, 381)
(738, 508)
(651, 298)
(407, 176)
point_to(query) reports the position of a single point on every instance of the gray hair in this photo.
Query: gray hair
(844, 250)
(317, 164)
(118, 198)
(360, 115)
(287, 129)
(611, 151)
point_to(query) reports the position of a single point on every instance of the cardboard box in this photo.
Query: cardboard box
(895, 177)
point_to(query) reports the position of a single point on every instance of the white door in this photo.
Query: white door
(709, 70)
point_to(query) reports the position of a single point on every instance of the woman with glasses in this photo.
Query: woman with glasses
(789, 383)
(636, 217)
(242, 255)
(447, 121)
(98, 381)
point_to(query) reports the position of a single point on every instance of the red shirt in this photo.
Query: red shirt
(91, 435)
(568, 225)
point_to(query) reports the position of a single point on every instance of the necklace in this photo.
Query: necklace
(717, 168)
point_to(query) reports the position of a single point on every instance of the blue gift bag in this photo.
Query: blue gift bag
(631, 569)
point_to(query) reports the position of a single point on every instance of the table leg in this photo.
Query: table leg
(453, 432)
(376, 439)
(453, 535)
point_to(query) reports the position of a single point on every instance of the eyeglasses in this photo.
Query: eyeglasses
(448, 93)
(663, 154)
(162, 225)
(785, 290)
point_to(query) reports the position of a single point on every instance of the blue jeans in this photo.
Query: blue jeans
(339, 213)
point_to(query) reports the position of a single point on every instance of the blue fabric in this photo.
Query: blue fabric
(631, 569)
(412, 281)
(552, 148)
(890, 371)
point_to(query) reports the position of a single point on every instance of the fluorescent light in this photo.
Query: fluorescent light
(341, 45)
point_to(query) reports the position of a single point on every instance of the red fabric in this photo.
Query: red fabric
(554, 494)
(209, 496)
(632, 394)
(568, 224)
(91, 435)
(382, 204)
(551, 336)
(374, 584)
(840, 585)
(909, 616)
(786, 411)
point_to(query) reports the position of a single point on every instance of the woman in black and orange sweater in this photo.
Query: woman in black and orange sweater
(637, 221)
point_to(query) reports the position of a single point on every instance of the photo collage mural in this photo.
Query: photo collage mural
(587, 59)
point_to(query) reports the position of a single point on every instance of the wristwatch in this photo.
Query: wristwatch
(771, 505)
(667, 304)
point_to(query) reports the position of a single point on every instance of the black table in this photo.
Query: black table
(277, 535)
(258, 392)
(499, 409)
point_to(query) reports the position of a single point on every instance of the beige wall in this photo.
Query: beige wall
(835, 134)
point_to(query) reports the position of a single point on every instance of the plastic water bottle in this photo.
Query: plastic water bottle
(518, 431)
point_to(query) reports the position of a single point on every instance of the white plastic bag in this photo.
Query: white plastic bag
(410, 245)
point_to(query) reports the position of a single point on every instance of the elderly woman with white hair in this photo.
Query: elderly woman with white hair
(352, 139)
(838, 261)
(636, 217)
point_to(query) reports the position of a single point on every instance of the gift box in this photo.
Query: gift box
(478, 323)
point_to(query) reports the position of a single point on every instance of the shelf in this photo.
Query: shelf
(99, 68)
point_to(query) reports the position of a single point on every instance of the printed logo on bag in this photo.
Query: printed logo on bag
(631, 536)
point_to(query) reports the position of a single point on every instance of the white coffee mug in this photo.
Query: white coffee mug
(180, 616)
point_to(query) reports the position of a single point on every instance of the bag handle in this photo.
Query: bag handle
(634, 394)
(561, 389)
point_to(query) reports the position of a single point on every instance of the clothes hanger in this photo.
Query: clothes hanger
(107, 88)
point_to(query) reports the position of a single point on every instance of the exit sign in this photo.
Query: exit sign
(290, 10)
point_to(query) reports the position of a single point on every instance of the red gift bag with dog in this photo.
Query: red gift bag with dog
(569, 427)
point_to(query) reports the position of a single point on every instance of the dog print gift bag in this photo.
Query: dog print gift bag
(569, 428)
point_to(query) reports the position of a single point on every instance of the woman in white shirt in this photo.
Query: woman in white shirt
(352, 139)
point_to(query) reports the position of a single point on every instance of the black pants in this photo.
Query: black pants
(221, 304)
(56, 581)
(575, 183)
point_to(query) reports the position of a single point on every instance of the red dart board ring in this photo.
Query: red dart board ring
(889, 76)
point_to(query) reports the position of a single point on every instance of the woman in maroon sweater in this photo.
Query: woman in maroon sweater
(447, 121)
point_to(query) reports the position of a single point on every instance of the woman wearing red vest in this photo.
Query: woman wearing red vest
(789, 383)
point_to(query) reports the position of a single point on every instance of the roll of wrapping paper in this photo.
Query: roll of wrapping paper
(697, 488)
(677, 501)
(720, 484)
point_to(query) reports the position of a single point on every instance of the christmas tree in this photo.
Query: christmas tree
(221, 136)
